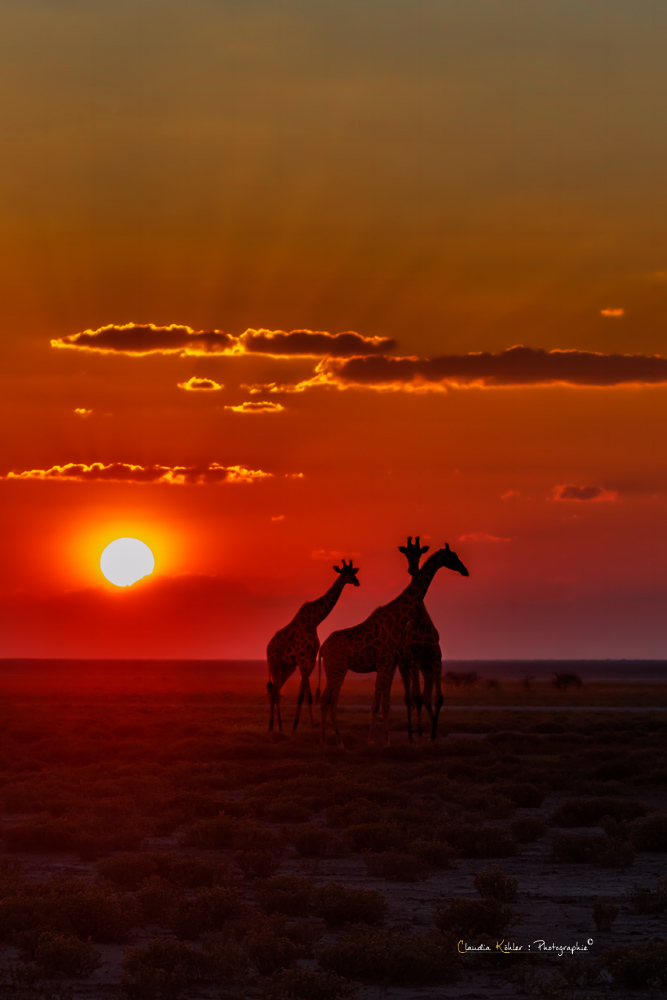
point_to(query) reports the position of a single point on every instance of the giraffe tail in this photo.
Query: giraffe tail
(319, 676)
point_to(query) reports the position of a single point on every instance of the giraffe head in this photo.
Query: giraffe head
(348, 573)
(413, 551)
(450, 560)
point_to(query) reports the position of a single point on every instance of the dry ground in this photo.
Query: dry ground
(140, 779)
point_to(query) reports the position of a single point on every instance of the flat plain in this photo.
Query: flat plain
(158, 842)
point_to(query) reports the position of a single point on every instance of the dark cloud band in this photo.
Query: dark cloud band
(513, 367)
(123, 472)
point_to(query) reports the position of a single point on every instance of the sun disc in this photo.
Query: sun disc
(126, 560)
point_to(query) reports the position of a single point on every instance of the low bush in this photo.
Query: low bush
(436, 854)
(643, 967)
(473, 917)
(310, 841)
(650, 833)
(39, 835)
(527, 829)
(286, 894)
(396, 866)
(608, 852)
(286, 811)
(523, 794)
(64, 954)
(164, 969)
(605, 912)
(391, 958)
(588, 812)
(494, 884)
(352, 813)
(647, 901)
(376, 836)
(129, 870)
(270, 950)
(209, 910)
(258, 863)
(156, 897)
(338, 905)
(307, 984)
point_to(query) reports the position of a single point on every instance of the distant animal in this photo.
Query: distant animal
(422, 654)
(378, 644)
(563, 681)
(295, 646)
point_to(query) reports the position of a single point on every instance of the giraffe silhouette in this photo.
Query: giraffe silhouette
(422, 654)
(295, 646)
(379, 643)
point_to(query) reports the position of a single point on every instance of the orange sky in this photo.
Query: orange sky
(445, 180)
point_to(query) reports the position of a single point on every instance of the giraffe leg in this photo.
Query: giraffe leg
(386, 702)
(299, 703)
(417, 697)
(438, 705)
(375, 708)
(405, 677)
(280, 721)
(329, 702)
(270, 688)
(309, 696)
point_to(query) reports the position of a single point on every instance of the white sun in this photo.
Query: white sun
(126, 560)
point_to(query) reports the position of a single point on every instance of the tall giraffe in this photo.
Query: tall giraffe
(296, 645)
(379, 643)
(422, 654)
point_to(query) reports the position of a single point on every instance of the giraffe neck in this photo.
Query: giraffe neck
(316, 611)
(422, 580)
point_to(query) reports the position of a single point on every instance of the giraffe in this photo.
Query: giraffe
(422, 654)
(296, 645)
(379, 643)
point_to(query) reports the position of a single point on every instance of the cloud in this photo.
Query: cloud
(82, 412)
(123, 472)
(137, 340)
(258, 406)
(313, 343)
(612, 312)
(196, 384)
(510, 494)
(516, 366)
(482, 536)
(572, 492)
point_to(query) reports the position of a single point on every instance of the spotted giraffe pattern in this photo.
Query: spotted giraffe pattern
(421, 655)
(379, 643)
(295, 646)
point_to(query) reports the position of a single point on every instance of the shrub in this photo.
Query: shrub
(605, 912)
(527, 829)
(258, 863)
(195, 873)
(650, 833)
(494, 884)
(310, 841)
(473, 917)
(163, 969)
(434, 853)
(523, 794)
(477, 841)
(128, 870)
(269, 950)
(396, 866)
(42, 834)
(63, 953)
(352, 813)
(637, 968)
(287, 811)
(306, 984)
(286, 894)
(390, 958)
(648, 901)
(156, 897)
(376, 836)
(338, 905)
(219, 833)
(588, 812)
(226, 963)
(208, 911)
